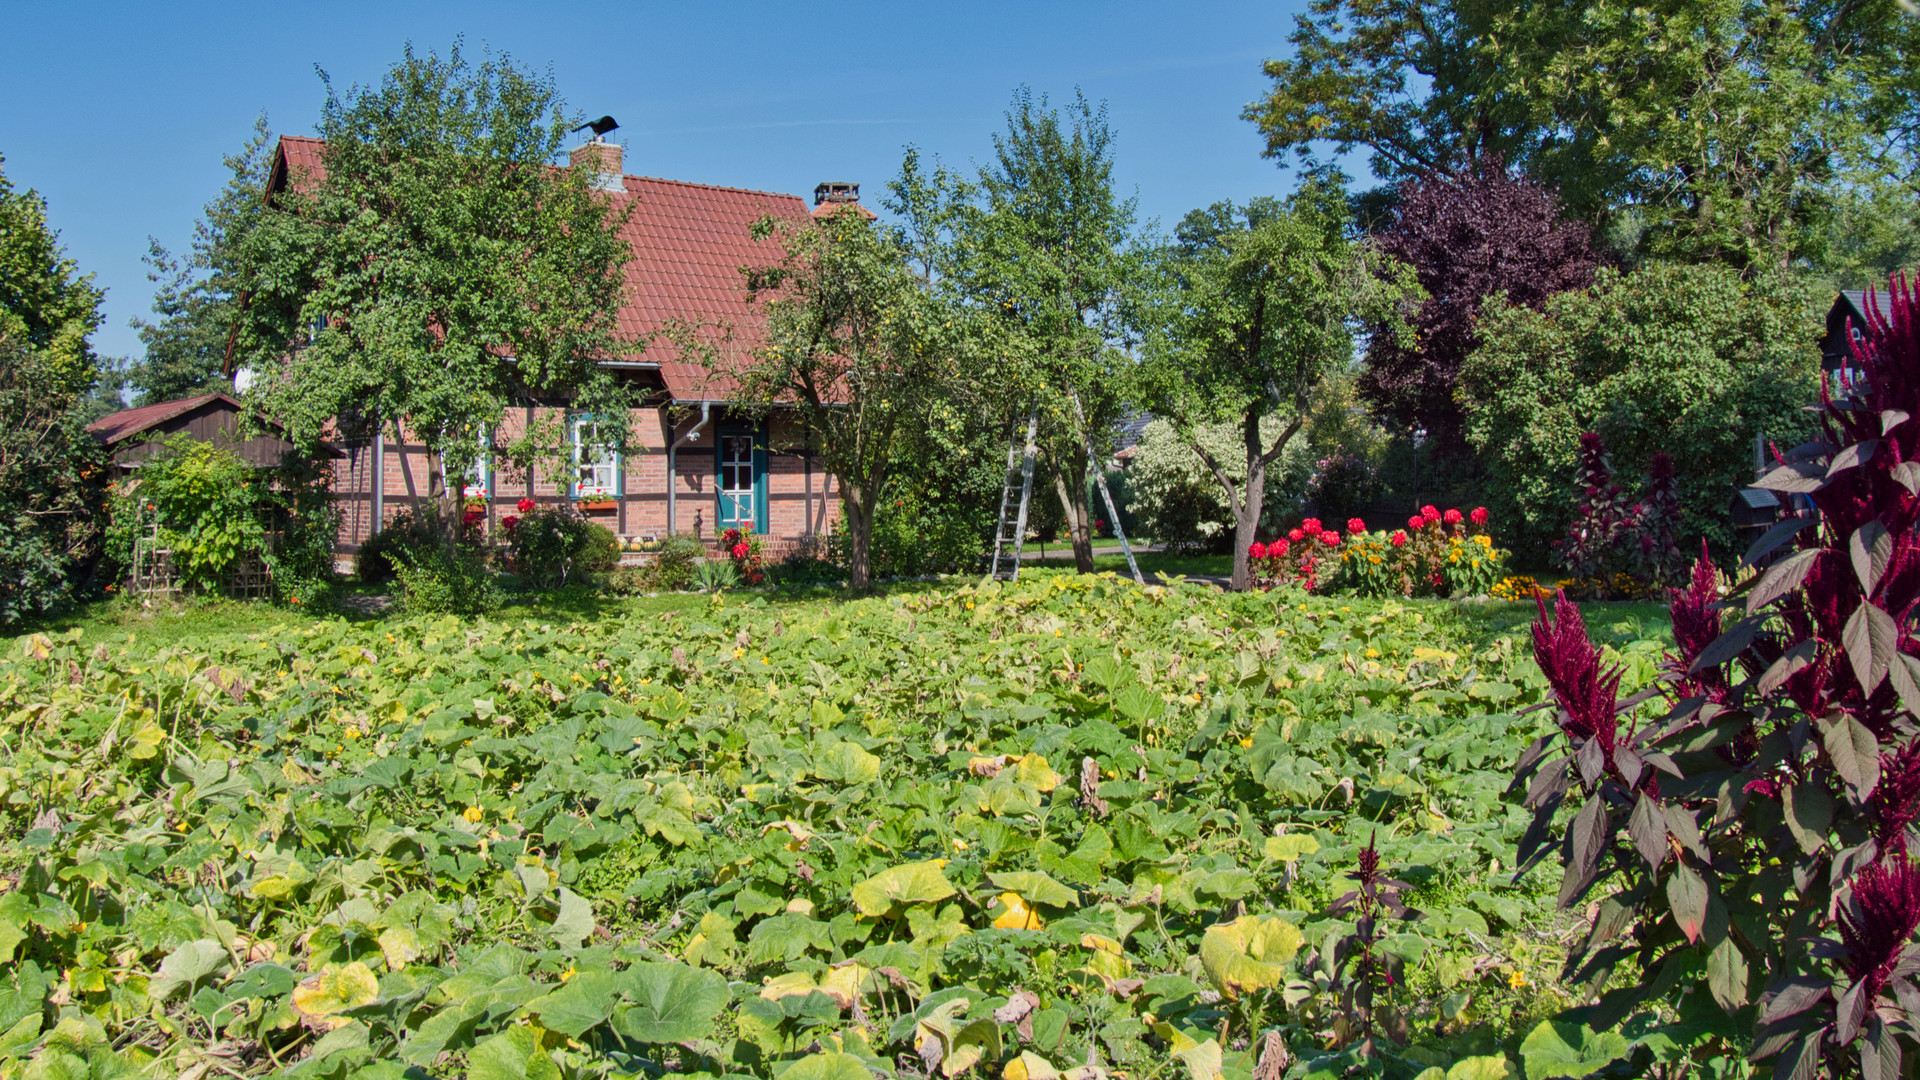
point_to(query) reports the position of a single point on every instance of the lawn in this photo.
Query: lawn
(954, 829)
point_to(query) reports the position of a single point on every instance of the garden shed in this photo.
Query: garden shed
(213, 418)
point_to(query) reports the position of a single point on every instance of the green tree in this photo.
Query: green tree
(1043, 240)
(1262, 303)
(1727, 128)
(1690, 360)
(51, 475)
(199, 295)
(869, 353)
(440, 270)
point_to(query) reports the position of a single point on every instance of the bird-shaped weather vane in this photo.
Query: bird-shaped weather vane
(600, 127)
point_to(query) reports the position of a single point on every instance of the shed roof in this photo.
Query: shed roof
(127, 423)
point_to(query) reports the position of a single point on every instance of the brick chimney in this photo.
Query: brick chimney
(834, 196)
(604, 158)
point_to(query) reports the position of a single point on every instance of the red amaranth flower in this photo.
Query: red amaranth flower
(1696, 623)
(1878, 921)
(1355, 525)
(1479, 516)
(1398, 539)
(1453, 517)
(1895, 802)
(1572, 667)
(1257, 551)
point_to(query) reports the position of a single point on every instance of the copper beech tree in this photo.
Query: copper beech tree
(1756, 835)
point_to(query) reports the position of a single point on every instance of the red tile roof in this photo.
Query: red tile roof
(690, 243)
(116, 426)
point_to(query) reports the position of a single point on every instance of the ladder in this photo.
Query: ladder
(1010, 536)
(1099, 476)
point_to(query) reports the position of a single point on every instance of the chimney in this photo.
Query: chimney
(604, 158)
(835, 196)
(835, 191)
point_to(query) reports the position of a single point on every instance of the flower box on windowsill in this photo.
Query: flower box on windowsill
(597, 504)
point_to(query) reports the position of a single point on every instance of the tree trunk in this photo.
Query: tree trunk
(859, 525)
(1073, 504)
(1246, 511)
(445, 498)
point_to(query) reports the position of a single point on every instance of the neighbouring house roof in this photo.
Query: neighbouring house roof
(211, 417)
(690, 243)
(127, 423)
(1847, 321)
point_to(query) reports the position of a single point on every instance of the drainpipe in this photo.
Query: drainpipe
(673, 468)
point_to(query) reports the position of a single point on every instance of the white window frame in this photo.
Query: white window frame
(605, 469)
(479, 482)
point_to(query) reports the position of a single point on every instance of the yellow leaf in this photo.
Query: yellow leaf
(1249, 953)
(337, 990)
(1033, 769)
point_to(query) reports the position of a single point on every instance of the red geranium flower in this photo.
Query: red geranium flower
(1355, 525)
(1479, 515)
(1453, 517)
(1257, 551)
(525, 506)
(1296, 535)
(1399, 538)
(739, 551)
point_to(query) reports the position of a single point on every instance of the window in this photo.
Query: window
(597, 466)
(479, 480)
(742, 482)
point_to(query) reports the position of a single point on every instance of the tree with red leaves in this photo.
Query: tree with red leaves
(1467, 235)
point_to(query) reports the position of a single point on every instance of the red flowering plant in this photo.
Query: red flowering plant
(744, 546)
(1756, 832)
(1437, 554)
(1307, 557)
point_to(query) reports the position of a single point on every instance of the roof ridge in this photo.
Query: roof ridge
(713, 187)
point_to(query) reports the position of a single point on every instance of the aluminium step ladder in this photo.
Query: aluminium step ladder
(1010, 536)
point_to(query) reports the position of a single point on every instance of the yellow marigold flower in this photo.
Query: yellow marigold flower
(473, 813)
(352, 733)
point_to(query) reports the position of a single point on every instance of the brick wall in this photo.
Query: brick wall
(801, 500)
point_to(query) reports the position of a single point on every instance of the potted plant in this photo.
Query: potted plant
(594, 497)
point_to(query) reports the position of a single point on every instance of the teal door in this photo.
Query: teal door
(742, 484)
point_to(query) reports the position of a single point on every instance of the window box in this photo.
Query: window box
(597, 504)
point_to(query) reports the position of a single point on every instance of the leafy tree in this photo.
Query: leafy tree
(1177, 500)
(46, 304)
(1728, 127)
(199, 295)
(869, 353)
(1689, 360)
(1044, 241)
(1262, 304)
(50, 471)
(1467, 236)
(439, 271)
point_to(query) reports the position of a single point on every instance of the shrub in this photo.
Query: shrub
(712, 575)
(673, 565)
(554, 546)
(378, 559)
(435, 580)
(52, 483)
(1756, 831)
(1658, 360)
(1177, 500)
(206, 502)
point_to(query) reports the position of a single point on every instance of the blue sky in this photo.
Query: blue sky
(118, 113)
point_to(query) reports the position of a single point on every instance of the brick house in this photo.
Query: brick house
(706, 464)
